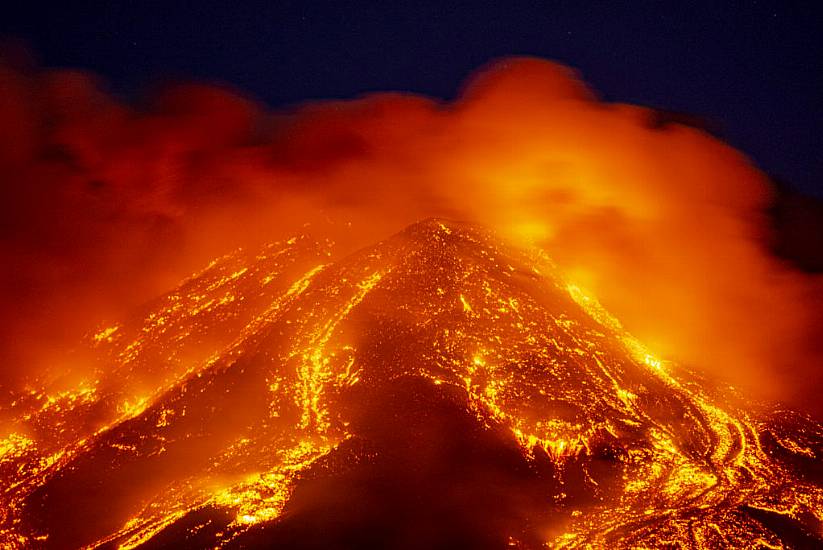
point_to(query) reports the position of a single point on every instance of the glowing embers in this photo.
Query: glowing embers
(14, 446)
(142, 532)
(106, 334)
(261, 497)
(241, 384)
(556, 447)
(688, 481)
(491, 392)
(467, 307)
(132, 407)
(315, 372)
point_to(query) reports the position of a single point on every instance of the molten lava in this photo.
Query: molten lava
(438, 389)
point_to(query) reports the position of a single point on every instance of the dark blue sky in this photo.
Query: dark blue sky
(753, 68)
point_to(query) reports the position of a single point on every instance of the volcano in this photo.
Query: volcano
(440, 389)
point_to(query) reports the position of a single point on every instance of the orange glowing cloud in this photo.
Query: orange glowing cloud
(106, 204)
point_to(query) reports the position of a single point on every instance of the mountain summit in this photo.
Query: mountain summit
(440, 389)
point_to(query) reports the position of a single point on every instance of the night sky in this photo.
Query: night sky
(754, 70)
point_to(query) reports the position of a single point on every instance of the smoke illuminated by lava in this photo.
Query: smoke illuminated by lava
(273, 382)
(105, 205)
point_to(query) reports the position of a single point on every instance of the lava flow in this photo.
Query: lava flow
(439, 389)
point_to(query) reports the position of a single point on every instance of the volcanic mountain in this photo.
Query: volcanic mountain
(440, 389)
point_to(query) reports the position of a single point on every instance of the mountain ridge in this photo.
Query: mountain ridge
(440, 388)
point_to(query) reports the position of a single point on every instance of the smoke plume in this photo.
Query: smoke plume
(106, 204)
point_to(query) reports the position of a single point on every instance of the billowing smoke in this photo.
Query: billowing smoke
(106, 204)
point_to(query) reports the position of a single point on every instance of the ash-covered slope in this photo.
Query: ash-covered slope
(438, 389)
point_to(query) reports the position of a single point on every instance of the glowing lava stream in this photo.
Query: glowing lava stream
(219, 404)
